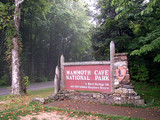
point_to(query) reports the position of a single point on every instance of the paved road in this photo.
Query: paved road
(32, 87)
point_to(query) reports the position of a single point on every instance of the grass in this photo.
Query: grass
(38, 93)
(42, 93)
(150, 93)
(13, 107)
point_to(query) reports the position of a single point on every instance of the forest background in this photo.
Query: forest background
(54, 27)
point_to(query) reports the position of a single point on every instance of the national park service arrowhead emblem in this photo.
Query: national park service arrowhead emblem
(120, 73)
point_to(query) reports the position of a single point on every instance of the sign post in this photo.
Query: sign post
(89, 76)
(112, 53)
(62, 72)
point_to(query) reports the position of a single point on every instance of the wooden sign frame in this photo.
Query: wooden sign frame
(111, 63)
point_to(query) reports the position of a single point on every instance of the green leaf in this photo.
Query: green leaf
(157, 58)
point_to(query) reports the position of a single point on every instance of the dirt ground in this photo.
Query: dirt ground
(149, 114)
(56, 115)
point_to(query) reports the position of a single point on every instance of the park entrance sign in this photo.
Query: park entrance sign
(88, 77)
(110, 79)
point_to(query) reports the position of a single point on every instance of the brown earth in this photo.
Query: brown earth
(146, 113)
(55, 115)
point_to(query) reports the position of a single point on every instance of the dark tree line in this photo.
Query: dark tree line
(134, 27)
(47, 30)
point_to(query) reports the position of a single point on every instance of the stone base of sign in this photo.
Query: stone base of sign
(123, 90)
(103, 98)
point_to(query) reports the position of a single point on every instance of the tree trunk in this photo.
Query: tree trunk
(15, 68)
(16, 86)
(52, 60)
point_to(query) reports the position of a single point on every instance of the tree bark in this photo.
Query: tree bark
(15, 68)
(50, 61)
(16, 86)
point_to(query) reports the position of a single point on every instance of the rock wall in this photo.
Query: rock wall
(123, 90)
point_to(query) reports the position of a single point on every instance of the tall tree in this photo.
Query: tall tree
(110, 29)
(16, 80)
(47, 35)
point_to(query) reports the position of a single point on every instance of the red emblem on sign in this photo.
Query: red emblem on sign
(121, 73)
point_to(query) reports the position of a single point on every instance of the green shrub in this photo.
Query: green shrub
(25, 84)
(43, 79)
(40, 79)
(3, 80)
(139, 72)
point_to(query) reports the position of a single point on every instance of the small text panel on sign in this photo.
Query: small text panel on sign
(88, 78)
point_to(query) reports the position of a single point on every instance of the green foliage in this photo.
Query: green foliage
(149, 93)
(25, 84)
(110, 29)
(148, 46)
(47, 30)
(5, 14)
(148, 22)
(150, 7)
(26, 81)
(43, 79)
(157, 58)
(139, 71)
(134, 27)
(7, 25)
(124, 7)
(4, 79)
(62, 29)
